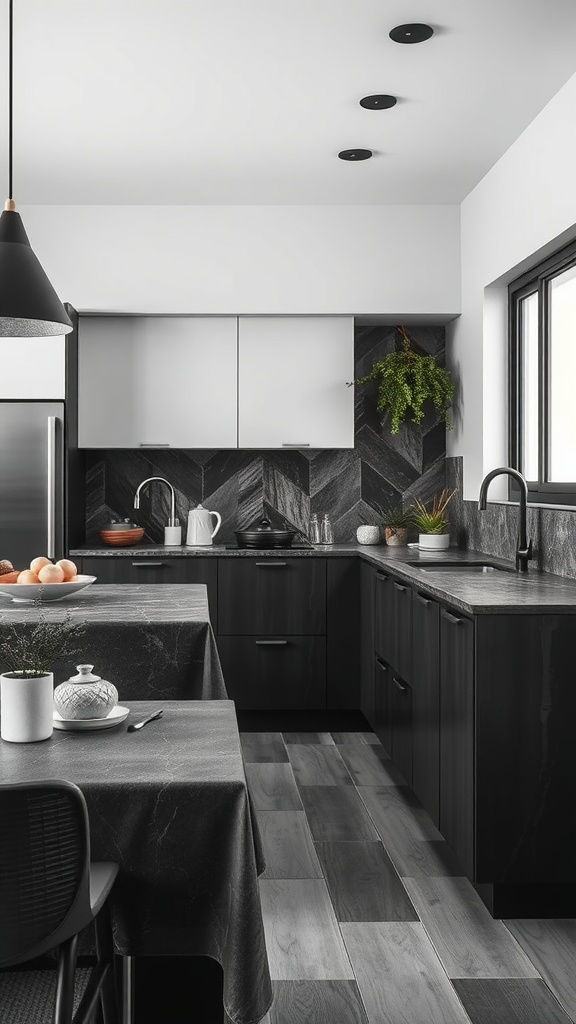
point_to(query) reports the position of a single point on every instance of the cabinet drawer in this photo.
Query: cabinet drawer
(156, 569)
(393, 624)
(272, 594)
(276, 673)
(401, 701)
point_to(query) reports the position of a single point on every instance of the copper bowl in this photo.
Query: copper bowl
(121, 538)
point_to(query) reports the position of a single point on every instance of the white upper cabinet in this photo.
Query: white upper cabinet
(32, 368)
(292, 377)
(157, 381)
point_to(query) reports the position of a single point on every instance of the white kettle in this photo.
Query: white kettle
(200, 532)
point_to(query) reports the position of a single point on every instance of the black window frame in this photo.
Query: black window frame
(535, 281)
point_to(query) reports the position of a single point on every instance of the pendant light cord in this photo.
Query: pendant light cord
(10, 93)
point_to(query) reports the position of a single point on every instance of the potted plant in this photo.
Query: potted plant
(405, 381)
(432, 522)
(27, 687)
(396, 521)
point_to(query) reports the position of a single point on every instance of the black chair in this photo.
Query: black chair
(50, 892)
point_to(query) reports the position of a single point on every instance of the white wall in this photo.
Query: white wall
(524, 208)
(251, 259)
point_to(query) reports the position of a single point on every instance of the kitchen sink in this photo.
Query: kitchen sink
(459, 567)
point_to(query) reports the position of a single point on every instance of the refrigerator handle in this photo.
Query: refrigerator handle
(51, 495)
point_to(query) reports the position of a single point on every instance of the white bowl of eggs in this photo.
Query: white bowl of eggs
(44, 581)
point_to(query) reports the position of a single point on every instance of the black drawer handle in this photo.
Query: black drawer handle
(423, 600)
(271, 643)
(382, 664)
(148, 565)
(271, 565)
(399, 586)
(452, 618)
(401, 686)
(381, 577)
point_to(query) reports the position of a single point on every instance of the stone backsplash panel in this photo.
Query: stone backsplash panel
(494, 531)
(242, 485)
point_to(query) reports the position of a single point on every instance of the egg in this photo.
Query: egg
(51, 574)
(68, 568)
(26, 576)
(37, 563)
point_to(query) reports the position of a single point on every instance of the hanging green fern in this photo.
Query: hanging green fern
(405, 380)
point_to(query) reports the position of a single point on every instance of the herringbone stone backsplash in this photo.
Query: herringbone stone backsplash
(242, 485)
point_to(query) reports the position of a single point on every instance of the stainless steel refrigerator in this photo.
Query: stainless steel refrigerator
(31, 481)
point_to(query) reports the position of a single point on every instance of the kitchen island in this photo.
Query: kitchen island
(151, 642)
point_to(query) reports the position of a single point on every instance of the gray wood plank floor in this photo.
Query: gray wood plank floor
(510, 1001)
(469, 943)
(367, 917)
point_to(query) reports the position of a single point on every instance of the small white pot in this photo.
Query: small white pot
(368, 535)
(26, 706)
(433, 541)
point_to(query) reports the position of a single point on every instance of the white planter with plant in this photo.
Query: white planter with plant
(27, 687)
(432, 522)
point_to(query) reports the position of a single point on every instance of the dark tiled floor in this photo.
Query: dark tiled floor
(368, 920)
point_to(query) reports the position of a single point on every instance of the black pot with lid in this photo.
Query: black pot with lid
(263, 535)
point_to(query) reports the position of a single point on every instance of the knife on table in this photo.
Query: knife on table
(140, 725)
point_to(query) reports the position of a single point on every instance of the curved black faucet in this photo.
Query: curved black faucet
(524, 546)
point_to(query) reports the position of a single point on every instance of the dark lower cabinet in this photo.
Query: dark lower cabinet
(393, 716)
(342, 634)
(367, 671)
(426, 703)
(457, 801)
(393, 623)
(382, 722)
(275, 673)
(272, 594)
(402, 743)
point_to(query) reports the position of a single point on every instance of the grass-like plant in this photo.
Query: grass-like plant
(395, 516)
(405, 381)
(433, 519)
(31, 651)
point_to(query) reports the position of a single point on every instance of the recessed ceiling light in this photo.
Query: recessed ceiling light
(379, 102)
(355, 154)
(411, 33)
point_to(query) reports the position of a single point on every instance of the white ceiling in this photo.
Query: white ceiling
(249, 101)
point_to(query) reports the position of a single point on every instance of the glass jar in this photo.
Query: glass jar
(326, 531)
(314, 529)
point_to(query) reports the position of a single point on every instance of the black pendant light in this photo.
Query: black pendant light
(29, 306)
(355, 154)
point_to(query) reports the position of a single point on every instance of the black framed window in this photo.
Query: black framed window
(542, 307)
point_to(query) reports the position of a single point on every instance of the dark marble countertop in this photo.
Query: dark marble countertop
(474, 593)
(509, 591)
(210, 551)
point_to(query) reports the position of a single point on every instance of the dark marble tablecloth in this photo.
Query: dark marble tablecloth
(152, 642)
(170, 805)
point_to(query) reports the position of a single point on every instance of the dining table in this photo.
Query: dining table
(151, 641)
(170, 805)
